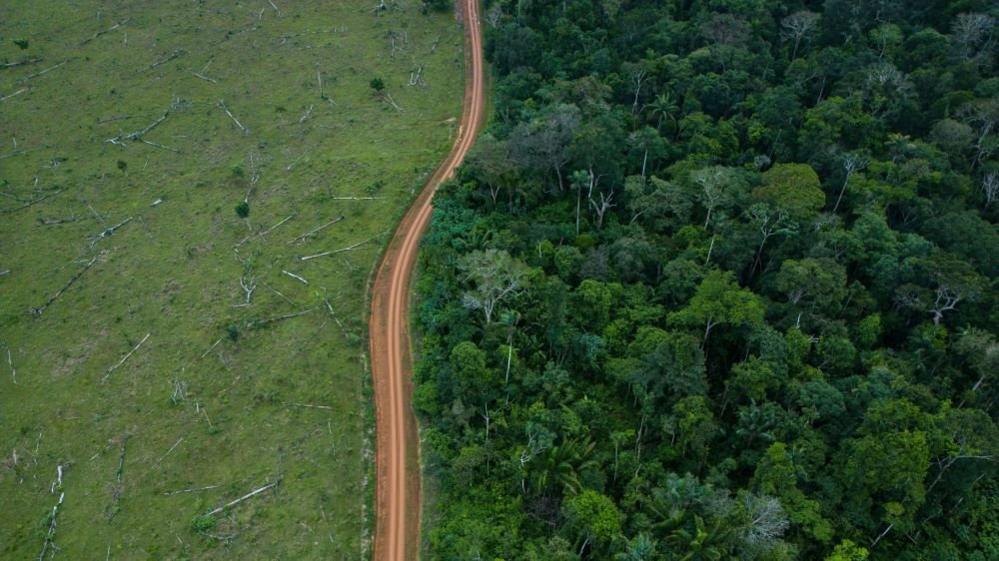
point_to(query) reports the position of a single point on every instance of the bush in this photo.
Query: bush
(243, 209)
(437, 5)
(203, 523)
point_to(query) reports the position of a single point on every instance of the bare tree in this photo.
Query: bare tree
(973, 35)
(714, 182)
(495, 275)
(767, 521)
(981, 116)
(637, 74)
(544, 143)
(247, 282)
(726, 29)
(581, 179)
(601, 208)
(851, 163)
(770, 222)
(990, 187)
(947, 299)
(797, 26)
(885, 85)
(494, 15)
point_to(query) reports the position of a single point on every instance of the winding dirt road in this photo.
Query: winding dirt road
(397, 501)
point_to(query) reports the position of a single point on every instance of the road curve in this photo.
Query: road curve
(397, 498)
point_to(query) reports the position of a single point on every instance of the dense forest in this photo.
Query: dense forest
(718, 283)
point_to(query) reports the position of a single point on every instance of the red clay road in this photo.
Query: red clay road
(397, 502)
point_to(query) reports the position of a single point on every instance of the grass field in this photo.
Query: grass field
(131, 356)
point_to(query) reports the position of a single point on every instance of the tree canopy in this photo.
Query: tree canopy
(719, 283)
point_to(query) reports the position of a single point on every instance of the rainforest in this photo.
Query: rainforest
(718, 282)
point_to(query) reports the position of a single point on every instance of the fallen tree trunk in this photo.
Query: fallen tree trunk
(39, 310)
(251, 494)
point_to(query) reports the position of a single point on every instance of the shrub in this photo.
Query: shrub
(243, 209)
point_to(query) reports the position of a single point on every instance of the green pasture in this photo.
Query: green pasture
(130, 352)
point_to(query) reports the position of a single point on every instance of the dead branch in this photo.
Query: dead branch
(279, 293)
(329, 307)
(119, 474)
(387, 97)
(292, 164)
(97, 215)
(157, 145)
(416, 77)
(117, 489)
(215, 344)
(265, 232)
(179, 393)
(262, 322)
(335, 251)
(175, 444)
(311, 406)
(316, 230)
(205, 78)
(39, 310)
(12, 154)
(10, 363)
(203, 410)
(18, 92)
(192, 490)
(254, 177)
(124, 358)
(273, 5)
(398, 41)
(248, 284)
(243, 498)
(296, 277)
(108, 30)
(31, 203)
(56, 221)
(137, 135)
(4, 272)
(175, 54)
(113, 119)
(50, 533)
(46, 71)
(20, 63)
(356, 198)
(306, 115)
(57, 484)
(319, 78)
(234, 119)
(108, 232)
(201, 73)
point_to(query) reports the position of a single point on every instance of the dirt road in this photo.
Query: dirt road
(397, 500)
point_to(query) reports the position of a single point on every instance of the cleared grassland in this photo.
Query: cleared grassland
(158, 385)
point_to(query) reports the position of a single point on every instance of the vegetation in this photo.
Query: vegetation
(171, 375)
(719, 283)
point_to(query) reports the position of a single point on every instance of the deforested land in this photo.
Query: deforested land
(192, 196)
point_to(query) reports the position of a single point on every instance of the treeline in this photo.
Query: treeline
(719, 283)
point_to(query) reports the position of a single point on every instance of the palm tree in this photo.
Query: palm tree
(700, 543)
(562, 465)
(664, 106)
(640, 548)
